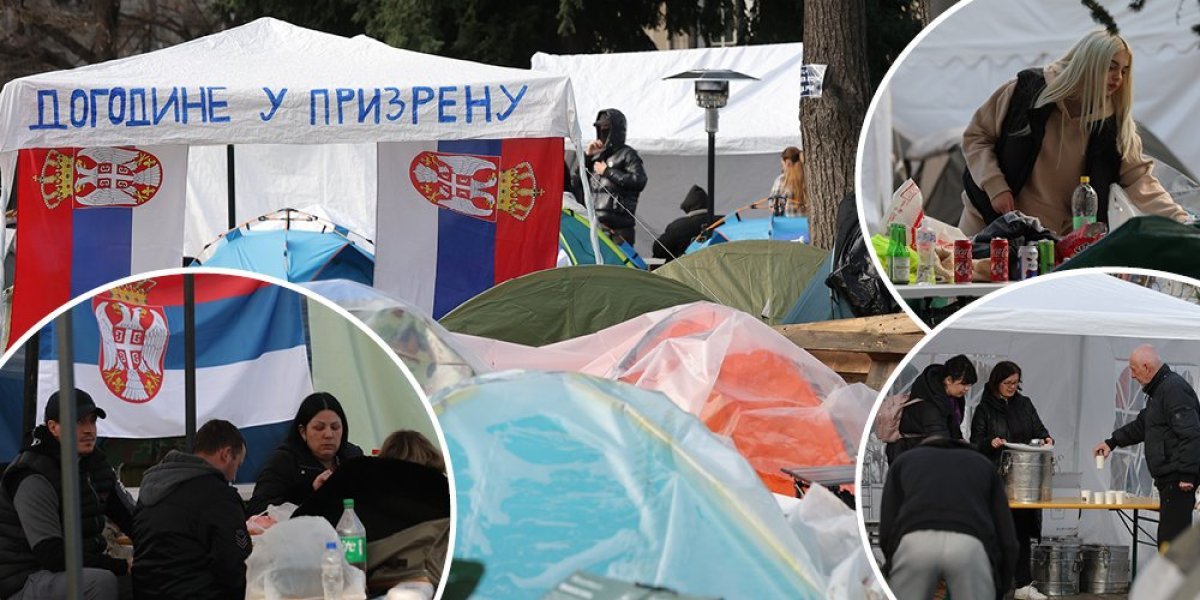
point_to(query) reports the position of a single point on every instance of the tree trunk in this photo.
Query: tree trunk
(930, 9)
(834, 35)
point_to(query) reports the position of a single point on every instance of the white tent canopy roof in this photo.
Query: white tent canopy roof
(234, 82)
(1074, 304)
(761, 117)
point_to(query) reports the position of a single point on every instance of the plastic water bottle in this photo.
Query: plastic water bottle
(331, 572)
(1084, 204)
(927, 255)
(353, 535)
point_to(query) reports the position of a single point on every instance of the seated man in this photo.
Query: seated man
(190, 527)
(679, 233)
(32, 550)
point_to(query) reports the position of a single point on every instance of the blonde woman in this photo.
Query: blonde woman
(789, 186)
(1028, 145)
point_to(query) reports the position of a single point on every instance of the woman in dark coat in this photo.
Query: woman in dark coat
(1006, 415)
(316, 444)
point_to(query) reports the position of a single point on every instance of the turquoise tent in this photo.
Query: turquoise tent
(294, 246)
(560, 472)
(575, 244)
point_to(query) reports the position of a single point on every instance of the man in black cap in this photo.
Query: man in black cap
(32, 548)
(617, 176)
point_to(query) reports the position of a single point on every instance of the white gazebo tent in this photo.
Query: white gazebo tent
(304, 109)
(1072, 334)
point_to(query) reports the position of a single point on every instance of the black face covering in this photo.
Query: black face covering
(602, 132)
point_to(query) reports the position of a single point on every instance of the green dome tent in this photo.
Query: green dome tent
(761, 277)
(558, 304)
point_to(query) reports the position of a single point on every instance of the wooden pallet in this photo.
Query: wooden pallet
(860, 350)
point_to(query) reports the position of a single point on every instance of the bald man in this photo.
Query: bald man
(1170, 428)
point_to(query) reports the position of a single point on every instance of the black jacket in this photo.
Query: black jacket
(1020, 143)
(1170, 428)
(191, 533)
(946, 485)
(289, 474)
(680, 233)
(40, 456)
(1015, 420)
(616, 192)
(389, 495)
(938, 414)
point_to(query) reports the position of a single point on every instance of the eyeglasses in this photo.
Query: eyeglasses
(1011, 383)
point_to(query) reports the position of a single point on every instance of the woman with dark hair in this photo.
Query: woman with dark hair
(315, 445)
(402, 497)
(1005, 415)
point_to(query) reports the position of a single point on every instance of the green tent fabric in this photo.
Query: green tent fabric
(1148, 242)
(574, 238)
(558, 304)
(762, 277)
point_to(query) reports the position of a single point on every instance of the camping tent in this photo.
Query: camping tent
(980, 45)
(1072, 334)
(667, 128)
(762, 277)
(666, 502)
(293, 246)
(575, 244)
(306, 110)
(558, 304)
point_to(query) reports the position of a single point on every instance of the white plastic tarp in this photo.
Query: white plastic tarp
(1074, 360)
(667, 127)
(274, 89)
(982, 44)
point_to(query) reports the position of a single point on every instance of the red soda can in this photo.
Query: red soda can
(999, 259)
(962, 261)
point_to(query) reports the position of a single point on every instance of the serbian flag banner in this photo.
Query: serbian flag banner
(458, 217)
(251, 357)
(88, 216)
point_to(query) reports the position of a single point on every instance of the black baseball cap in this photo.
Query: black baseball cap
(83, 405)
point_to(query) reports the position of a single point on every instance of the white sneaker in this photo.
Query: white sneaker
(1029, 593)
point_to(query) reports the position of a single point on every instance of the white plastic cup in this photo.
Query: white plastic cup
(1110, 497)
(1120, 497)
(1099, 461)
(1098, 498)
(1085, 496)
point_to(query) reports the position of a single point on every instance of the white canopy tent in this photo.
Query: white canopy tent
(956, 65)
(305, 109)
(1072, 335)
(666, 126)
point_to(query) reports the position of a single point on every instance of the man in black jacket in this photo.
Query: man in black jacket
(616, 176)
(1170, 428)
(190, 528)
(945, 515)
(941, 389)
(32, 548)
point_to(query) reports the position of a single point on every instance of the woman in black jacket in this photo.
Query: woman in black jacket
(1006, 415)
(316, 444)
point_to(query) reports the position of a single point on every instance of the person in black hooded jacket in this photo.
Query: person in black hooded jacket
(617, 176)
(941, 388)
(190, 528)
(679, 234)
(1006, 415)
(316, 444)
(32, 546)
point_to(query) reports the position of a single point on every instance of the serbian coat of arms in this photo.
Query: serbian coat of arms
(475, 185)
(133, 341)
(121, 176)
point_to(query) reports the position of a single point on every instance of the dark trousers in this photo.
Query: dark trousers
(1028, 527)
(1175, 512)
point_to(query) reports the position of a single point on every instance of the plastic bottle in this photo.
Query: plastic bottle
(927, 255)
(1084, 204)
(331, 572)
(897, 254)
(353, 535)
